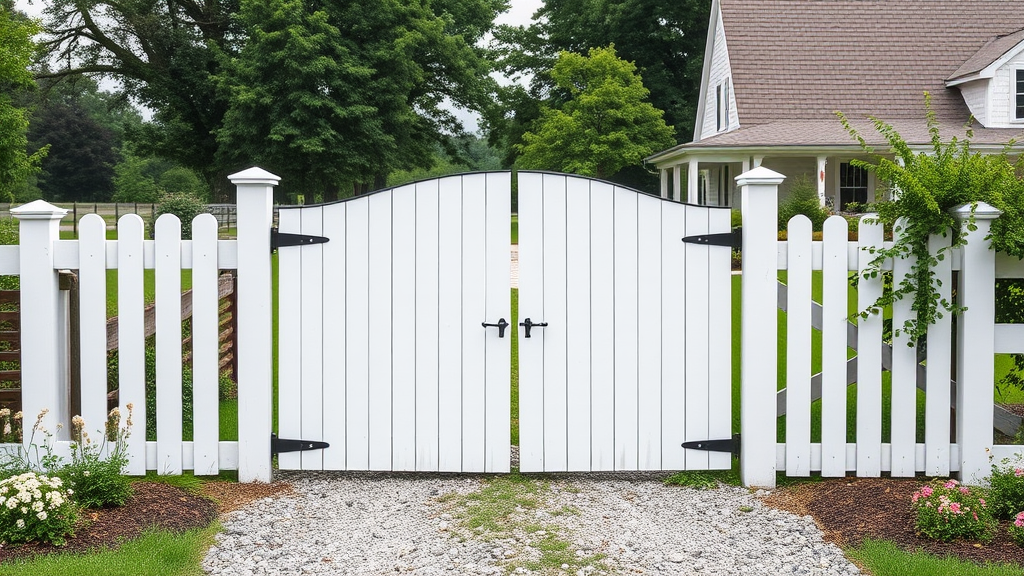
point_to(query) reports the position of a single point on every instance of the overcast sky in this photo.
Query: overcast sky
(519, 13)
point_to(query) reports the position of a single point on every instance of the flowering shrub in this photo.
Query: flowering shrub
(98, 482)
(1017, 529)
(946, 511)
(1007, 493)
(34, 507)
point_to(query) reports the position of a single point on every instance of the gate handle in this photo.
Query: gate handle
(502, 324)
(530, 324)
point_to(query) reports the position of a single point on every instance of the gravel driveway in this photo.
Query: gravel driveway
(369, 523)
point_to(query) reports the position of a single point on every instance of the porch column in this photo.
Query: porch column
(677, 183)
(664, 183)
(821, 180)
(746, 165)
(758, 160)
(691, 181)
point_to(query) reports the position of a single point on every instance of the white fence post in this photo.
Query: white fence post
(759, 193)
(975, 367)
(42, 386)
(255, 193)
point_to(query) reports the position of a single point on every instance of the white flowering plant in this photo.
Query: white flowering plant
(38, 455)
(34, 507)
(98, 481)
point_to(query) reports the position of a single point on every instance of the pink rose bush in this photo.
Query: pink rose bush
(1007, 488)
(947, 511)
(1016, 529)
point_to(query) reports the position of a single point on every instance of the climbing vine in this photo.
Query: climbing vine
(930, 185)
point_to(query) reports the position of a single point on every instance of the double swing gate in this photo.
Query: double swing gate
(396, 329)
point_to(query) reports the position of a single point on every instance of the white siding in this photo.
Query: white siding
(1000, 94)
(719, 73)
(793, 167)
(976, 95)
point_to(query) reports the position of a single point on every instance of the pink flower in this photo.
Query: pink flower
(982, 502)
(950, 484)
(1019, 522)
(975, 516)
(916, 496)
(965, 490)
(1018, 472)
(926, 491)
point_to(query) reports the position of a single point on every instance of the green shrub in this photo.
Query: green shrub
(947, 511)
(185, 207)
(1006, 495)
(98, 482)
(1016, 529)
(36, 508)
(802, 199)
(9, 237)
(180, 180)
(227, 387)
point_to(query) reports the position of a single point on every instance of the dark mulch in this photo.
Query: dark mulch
(850, 510)
(153, 505)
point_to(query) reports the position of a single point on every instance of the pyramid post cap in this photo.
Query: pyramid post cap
(759, 175)
(982, 211)
(254, 175)
(38, 210)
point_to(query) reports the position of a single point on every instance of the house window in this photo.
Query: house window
(718, 107)
(1018, 90)
(725, 104)
(853, 184)
(723, 185)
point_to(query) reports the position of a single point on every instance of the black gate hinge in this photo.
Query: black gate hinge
(731, 445)
(732, 239)
(279, 445)
(281, 239)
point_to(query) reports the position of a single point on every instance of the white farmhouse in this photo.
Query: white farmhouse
(776, 71)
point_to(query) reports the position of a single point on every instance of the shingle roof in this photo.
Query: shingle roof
(989, 53)
(804, 59)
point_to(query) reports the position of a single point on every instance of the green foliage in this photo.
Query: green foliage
(605, 125)
(947, 511)
(227, 388)
(1016, 529)
(16, 52)
(883, 558)
(1006, 495)
(180, 180)
(36, 508)
(132, 184)
(186, 391)
(185, 207)
(802, 199)
(9, 237)
(98, 481)
(79, 164)
(931, 185)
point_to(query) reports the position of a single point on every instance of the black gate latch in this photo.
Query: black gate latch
(279, 445)
(725, 445)
(282, 239)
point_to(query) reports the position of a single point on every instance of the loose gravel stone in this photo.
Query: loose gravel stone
(370, 524)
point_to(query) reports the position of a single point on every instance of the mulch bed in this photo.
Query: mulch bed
(850, 510)
(153, 505)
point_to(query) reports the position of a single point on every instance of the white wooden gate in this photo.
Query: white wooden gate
(382, 353)
(635, 356)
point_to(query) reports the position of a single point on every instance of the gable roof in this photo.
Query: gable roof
(992, 51)
(805, 59)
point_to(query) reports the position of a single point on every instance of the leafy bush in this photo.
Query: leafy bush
(9, 237)
(34, 507)
(947, 511)
(180, 180)
(1006, 495)
(802, 199)
(185, 207)
(227, 387)
(98, 482)
(1016, 529)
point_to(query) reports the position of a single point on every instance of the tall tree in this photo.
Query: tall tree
(192, 62)
(16, 51)
(605, 123)
(664, 38)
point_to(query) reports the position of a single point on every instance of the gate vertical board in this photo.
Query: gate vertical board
(555, 336)
(427, 322)
(578, 308)
(649, 334)
(399, 374)
(904, 378)
(798, 342)
(698, 349)
(92, 286)
(624, 262)
(869, 361)
(289, 324)
(937, 371)
(311, 315)
(834, 310)
(606, 385)
(498, 391)
(334, 342)
(131, 338)
(205, 345)
(403, 333)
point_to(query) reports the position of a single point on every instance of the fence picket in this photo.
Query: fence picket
(289, 313)
(379, 333)
(697, 294)
(168, 345)
(474, 310)
(719, 340)
(131, 359)
(673, 339)
(554, 336)
(92, 290)
(357, 326)
(602, 344)
(427, 321)
(626, 294)
(904, 378)
(334, 345)
(798, 348)
(498, 355)
(312, 318)
(937, 370)
(869, 357)
(578, 323)
(649, 331)
(449, 315)
(205, 345)
(403, 354)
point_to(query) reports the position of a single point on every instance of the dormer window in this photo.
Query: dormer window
(1018, 94)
